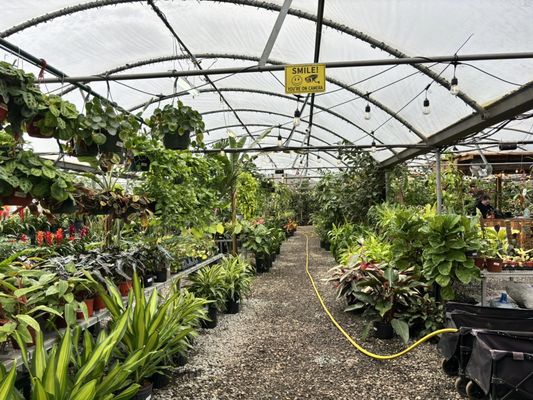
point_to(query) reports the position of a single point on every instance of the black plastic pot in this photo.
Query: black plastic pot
(322, 244)
(81, 149)
(66, 207)
(261, 264)
(140, 163)
(177, 142)
(113, 144)
(161, 276)
(148, 280)
(159, 380)
(233, 306)
(383, 330)
(181, 359)
(327, 246)
(213, 320)
(145, 392)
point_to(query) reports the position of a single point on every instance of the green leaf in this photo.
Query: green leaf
(401, 328)
(443, 280)
(28, 321)
(57, 192)
(8, 383)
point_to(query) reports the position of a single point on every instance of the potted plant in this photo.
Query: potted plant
(257, 240)
(494, 245)
(56, 118)
(19, 96)
(449, 238)
(237, 276)
(209, 283)
(174, 125)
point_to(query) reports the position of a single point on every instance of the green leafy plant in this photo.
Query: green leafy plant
(57, 118)
(237, 274)
(450, 237)
(210, 284)
(257, 239)
(7, 383)
(67, 372)
(19, 92)
(494, 243)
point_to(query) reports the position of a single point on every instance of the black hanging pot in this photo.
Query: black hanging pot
(140, 163)
(82, 149)
(66, 207)
(159, 380)
(113, 144)
(383, 330)
(233, 306)
(213, 320)
(176, 141)
(145, 392)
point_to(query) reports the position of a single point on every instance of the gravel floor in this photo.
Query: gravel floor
(282, 346)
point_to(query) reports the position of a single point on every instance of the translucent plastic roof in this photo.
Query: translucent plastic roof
(89, 38)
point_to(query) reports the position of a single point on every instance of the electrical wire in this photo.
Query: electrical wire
(490, 74)
(347, 335)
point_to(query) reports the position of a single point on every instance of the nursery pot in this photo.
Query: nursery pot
(112, 144)
(98, 303)
(145, 392)
(159, 380)
(66, 207)
(181, 359)
(140, 163)
(124, 287)
(260, 263)
(383, 330)
(212, 315)
(176, 141)
(82, 149)
(494, 265)
(33, 130)
(327, 246)
(16, 199)
(3, 110)
(479, 262)
(161, 276)
(232, 306)
(90, 309)
(322, 244)
(148, 280)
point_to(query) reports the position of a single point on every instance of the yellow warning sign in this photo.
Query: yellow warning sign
(305, 78)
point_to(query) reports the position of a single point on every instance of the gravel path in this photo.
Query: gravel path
(282, 346)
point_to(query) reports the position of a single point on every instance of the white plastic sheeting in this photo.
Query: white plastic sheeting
(102, 38)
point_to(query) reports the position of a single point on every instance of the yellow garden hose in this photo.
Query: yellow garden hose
(348, 337)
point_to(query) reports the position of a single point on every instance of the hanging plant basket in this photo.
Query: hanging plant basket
(3, 110)
(176, 141)
(16, 199)
(33, 130)
(113, 144)
(82, 149)
(65, 207)
(140, 163)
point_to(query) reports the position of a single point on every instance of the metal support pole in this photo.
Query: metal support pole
(439, 183)
(275, 31)
(329, 65)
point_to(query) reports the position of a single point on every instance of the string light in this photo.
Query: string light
(222, 153)
(296, 121)
(373, 148)
(454, 83)
(426, 109)
(280, 139)
(367, 112)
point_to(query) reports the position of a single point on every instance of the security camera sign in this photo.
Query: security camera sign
(305, 78)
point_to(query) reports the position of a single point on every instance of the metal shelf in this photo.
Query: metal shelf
(100, 316)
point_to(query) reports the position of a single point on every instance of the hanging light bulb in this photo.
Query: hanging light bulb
(318, 156)
(367, 112)
(280, 140)
(222, 153)
(426, 109)
(454, 86)
(373, 148)
(296, 121)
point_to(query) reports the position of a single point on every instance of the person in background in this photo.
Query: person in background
(484, 207)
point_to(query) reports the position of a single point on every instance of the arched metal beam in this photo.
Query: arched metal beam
(264, 92)
(270, 126)
(278, 114)
(264, 5)
(343, 85)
